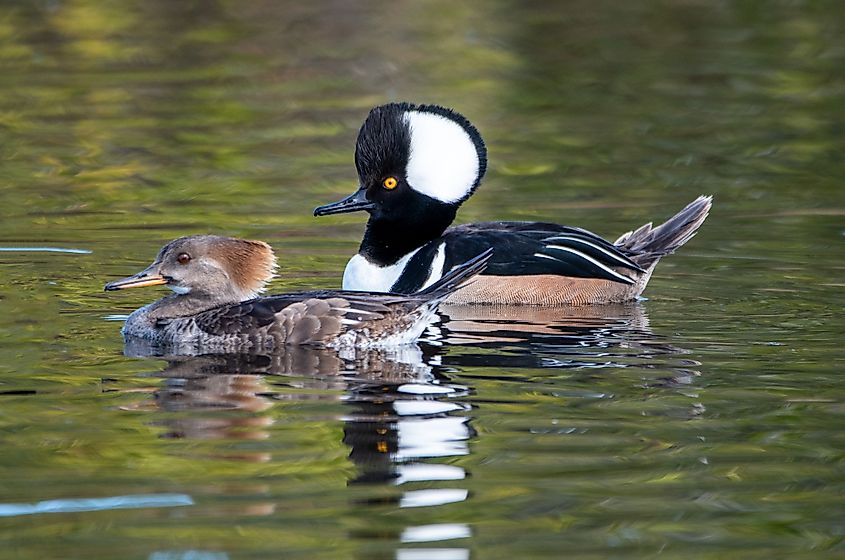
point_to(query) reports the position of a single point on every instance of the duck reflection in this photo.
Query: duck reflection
(406, 417)
(404, 409)
(401, 410)
(211, 384)
(476, 324)
(581, 338)
(406, 413)
(396, 423)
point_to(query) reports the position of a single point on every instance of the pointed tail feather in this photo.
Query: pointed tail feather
(457, 277)
(646, 245)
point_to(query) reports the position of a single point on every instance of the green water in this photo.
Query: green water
(705, 422)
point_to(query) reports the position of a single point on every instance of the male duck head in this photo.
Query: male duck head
(209, 267)
(416, 165)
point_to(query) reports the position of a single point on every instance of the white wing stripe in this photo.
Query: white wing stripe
(622, 278)
(618, 258)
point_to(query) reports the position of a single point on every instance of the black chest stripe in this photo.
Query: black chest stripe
(417, 270)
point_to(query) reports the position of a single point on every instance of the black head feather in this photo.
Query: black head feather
(384, 142)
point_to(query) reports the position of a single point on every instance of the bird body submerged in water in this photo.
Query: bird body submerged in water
(418, 163)
(217, 307)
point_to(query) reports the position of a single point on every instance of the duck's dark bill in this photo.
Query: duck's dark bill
(352, 203)
(138, 281)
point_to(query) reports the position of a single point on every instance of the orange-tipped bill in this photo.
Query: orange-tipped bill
(139, 280)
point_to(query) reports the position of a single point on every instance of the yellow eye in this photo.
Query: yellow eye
(390, 183)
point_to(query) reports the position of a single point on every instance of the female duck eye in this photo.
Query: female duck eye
(183, 258)
(390, 183)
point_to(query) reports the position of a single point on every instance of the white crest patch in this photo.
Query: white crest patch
(443, 162)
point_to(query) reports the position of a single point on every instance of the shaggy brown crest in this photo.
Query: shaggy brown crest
(250, 264)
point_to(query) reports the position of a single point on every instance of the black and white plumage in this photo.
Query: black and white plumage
(418, 163)
(216, 308)
(522, 248)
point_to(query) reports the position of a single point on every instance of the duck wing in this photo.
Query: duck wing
(317, 317)
(523, 248)
(302, 318)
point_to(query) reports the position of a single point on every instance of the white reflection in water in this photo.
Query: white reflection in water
(97, 504)
(425, 389)
(188, 555)
(433, 497)
(439, 532)
(420, 408)
(45, 250)
(432, 437)
(432, 554)
(417, 472)
(116, 317)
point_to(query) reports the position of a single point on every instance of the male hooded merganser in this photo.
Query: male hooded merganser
(418, 163)
(216, 307)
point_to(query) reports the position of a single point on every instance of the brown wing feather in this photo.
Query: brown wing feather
(306, 318)
(313, 321)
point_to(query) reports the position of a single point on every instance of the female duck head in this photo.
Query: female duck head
(224, 269)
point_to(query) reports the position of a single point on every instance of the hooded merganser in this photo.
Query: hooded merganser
(216, 307)
(418, 163)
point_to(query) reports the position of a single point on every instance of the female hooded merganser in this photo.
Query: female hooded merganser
(418, 163)
(216, 306)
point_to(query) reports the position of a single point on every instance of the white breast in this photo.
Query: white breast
(362, 275)
(436, 270)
